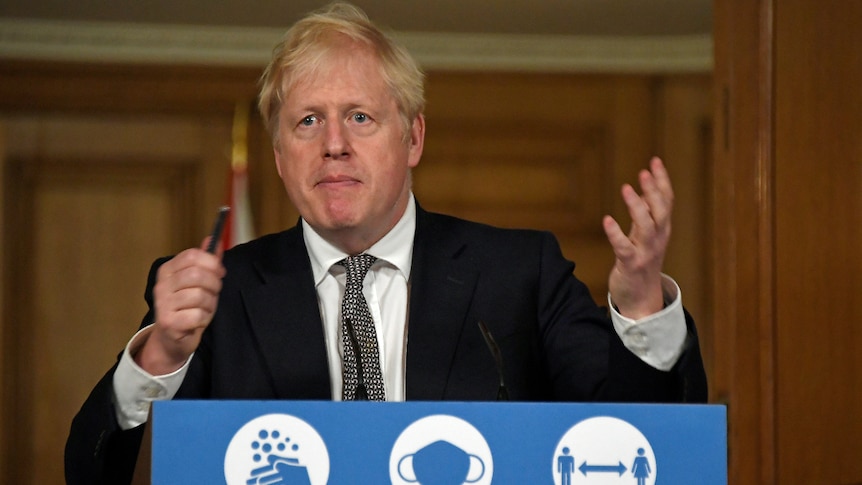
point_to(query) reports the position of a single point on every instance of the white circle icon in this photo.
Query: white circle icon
(276, 448)
(441, 449)
(604, 451)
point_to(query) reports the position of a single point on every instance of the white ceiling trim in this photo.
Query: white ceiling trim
(231, 46)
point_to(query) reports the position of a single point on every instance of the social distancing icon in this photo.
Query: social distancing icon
(604, 450)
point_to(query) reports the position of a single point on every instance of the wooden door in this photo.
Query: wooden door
(89, 202)
(788, 201)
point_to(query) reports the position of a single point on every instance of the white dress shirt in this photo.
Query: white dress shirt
(385, 290)
(657, 339)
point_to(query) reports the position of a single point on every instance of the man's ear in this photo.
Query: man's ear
(417, 140)
(277, 152)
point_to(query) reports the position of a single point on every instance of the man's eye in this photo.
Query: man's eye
(308, 120)
(360, 117)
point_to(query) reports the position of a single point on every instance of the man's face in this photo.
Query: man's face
(342, 153)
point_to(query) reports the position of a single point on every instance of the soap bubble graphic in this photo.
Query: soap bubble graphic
(276, 448)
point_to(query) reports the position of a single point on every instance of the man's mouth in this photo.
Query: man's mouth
(337, 181)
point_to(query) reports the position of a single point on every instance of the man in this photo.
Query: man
(344, 107)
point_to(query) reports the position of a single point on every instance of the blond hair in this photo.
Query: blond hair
(305, 46)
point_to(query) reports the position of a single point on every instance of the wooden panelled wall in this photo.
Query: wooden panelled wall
(788, 207)
(107, 167)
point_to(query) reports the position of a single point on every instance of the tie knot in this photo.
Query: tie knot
(357, 266)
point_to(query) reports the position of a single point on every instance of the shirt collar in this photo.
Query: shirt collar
(395, 248)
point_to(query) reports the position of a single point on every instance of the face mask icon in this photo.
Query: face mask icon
(441, 463)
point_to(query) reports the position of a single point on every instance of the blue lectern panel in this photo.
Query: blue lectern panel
(315, 443)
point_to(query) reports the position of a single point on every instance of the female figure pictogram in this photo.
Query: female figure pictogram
(641, 468)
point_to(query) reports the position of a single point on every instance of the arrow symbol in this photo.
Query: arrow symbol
(584, 468)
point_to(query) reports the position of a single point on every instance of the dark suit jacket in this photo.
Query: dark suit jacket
(266, 340)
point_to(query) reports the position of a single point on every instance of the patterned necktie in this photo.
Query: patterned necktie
(358, 336)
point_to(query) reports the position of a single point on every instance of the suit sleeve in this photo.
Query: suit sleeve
(585, 358)
(98, 451)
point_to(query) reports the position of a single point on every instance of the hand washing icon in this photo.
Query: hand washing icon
(441, 463)
(276, 448)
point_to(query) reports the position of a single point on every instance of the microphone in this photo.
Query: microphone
(502, 393)
(361, 392)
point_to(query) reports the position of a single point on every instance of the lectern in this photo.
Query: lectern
(436, 443)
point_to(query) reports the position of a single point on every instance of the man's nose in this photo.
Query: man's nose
(336, 144)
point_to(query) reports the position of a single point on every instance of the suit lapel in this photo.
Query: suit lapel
(441, 290)
(285, 319)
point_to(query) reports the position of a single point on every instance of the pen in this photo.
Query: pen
(215, 237)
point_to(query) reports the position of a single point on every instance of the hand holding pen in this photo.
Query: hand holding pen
(185, 298)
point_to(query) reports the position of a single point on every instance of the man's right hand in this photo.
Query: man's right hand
(185, 298)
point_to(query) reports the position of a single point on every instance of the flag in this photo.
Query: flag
(239, 227)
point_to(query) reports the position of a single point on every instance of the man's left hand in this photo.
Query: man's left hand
(635, 279)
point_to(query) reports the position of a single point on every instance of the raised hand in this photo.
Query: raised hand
(635, 279)
(185, 297)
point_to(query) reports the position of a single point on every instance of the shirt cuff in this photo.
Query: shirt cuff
(658, 339)
(135, 388)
